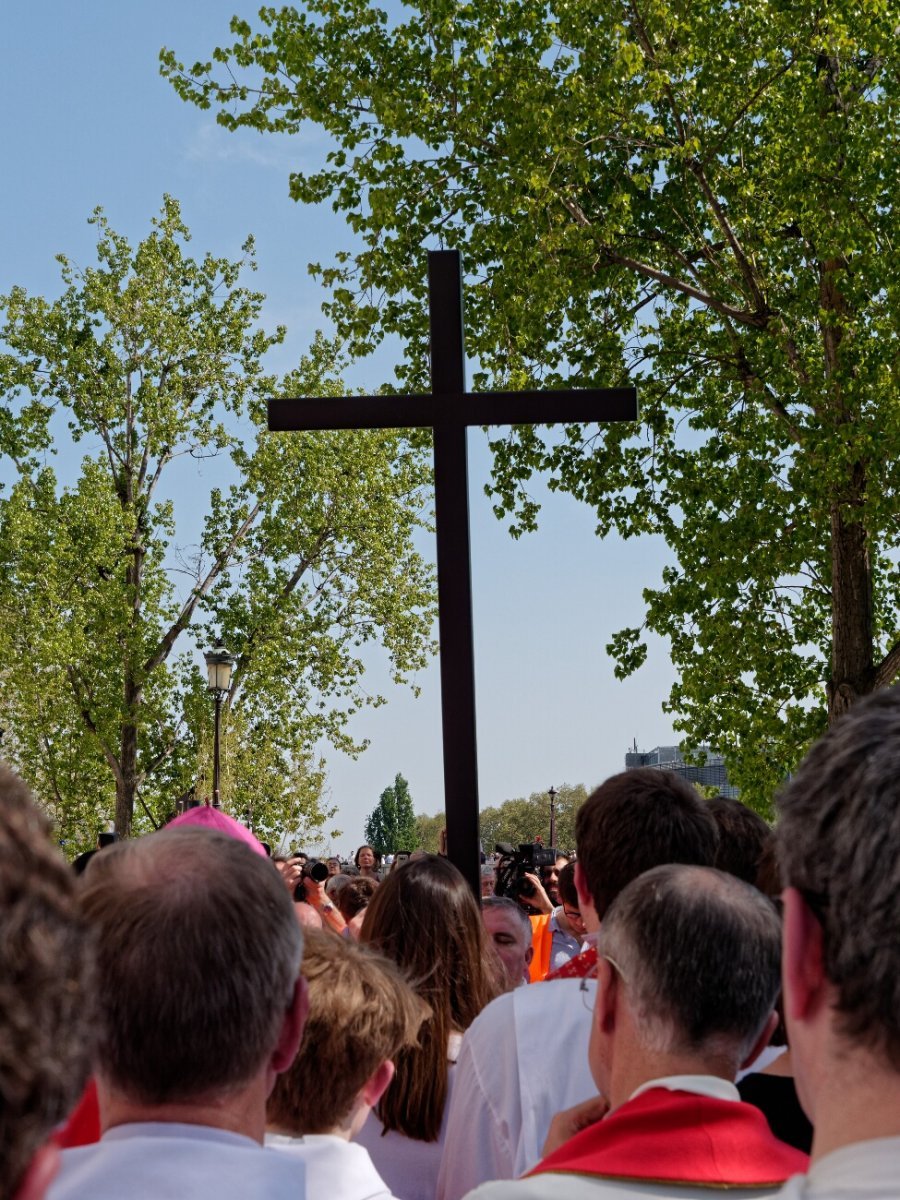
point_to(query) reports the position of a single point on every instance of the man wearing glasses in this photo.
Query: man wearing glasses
(687, 977)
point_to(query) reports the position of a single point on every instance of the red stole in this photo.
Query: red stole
(680, 1137)
(582, 966)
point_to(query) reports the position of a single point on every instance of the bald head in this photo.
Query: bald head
(199, 953)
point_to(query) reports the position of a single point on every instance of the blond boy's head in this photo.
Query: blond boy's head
(361, 1013)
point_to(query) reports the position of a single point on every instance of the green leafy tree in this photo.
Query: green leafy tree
(391, 825)
(522, 820)
(428, 831)
(699, 196)
(148, 358)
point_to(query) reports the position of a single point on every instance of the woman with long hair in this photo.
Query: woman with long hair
(425, 918)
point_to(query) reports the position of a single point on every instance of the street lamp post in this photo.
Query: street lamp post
(552, 795)
(219, 665)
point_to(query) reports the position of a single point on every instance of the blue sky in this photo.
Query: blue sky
(87, 120)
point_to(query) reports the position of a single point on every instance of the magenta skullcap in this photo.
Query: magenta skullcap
(204, 816)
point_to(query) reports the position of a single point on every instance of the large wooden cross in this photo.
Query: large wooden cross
(449, 410)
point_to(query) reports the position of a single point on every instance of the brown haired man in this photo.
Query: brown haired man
(504, 1096)
(200, 1006)
(839, 848)
(361, 1013)
(45, 996)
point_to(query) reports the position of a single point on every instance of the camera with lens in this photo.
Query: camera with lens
(315, 870)
(515, 863)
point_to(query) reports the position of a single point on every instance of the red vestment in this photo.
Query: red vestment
(664, 1136)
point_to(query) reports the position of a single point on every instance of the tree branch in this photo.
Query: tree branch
(887, 670)
(181, 622)
(89, 724)
(744, 265)
(243, 664)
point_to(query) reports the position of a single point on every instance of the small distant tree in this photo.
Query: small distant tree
(428, 831)
(392, 824)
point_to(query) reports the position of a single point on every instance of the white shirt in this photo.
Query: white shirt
(410, 1167)
(523, 1059)
(157, 1160)
(552, 1185)
(863, 1171)
(563, 946)
(335, 1168)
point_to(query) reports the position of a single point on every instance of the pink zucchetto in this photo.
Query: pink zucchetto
(204, 816)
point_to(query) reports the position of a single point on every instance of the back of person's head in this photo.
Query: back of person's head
(198, 957)
(355, 895)
(637, 820)
(699, 952)
(361, 1013)
(743, 838)
(425, 918)
(335, 883)
(46, 996)
(839, 846)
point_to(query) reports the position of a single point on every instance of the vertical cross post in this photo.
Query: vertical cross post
(448, 409)
(454, 567)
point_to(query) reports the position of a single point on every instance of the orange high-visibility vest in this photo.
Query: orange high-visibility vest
(542, 941)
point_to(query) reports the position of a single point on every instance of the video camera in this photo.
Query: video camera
(515, 864)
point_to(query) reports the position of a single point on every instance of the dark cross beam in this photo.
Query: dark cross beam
(448, 410)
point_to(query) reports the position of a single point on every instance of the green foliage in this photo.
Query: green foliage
(522, 820)
(147, 358)
(428, 831)
(391, 825)
(700, 197)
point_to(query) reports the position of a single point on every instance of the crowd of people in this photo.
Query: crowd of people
(691, 1001)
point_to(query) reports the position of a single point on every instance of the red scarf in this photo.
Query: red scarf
(680, 1137)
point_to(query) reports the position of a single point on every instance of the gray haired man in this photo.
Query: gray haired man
(686, 984)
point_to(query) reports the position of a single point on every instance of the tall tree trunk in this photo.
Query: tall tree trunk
(126, 783)
(852, 666)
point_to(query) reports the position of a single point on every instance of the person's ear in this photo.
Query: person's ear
(802, 959)
(376, 1085)
(529, 955)
(762, 1041)
(39, 1175)
(291, 1029)
(581, 887)
(607, 1002)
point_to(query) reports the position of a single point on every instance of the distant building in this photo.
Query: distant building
(670, 758)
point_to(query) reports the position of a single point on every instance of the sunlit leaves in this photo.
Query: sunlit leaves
(306, 554)
(697, 196)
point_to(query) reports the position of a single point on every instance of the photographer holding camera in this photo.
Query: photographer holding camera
(305, 879)
(519, 876)
(557, 931)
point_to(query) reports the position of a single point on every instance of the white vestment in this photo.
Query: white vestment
(159, 1161)
(864, 1171)
(523, 1059)
(335, 1168)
